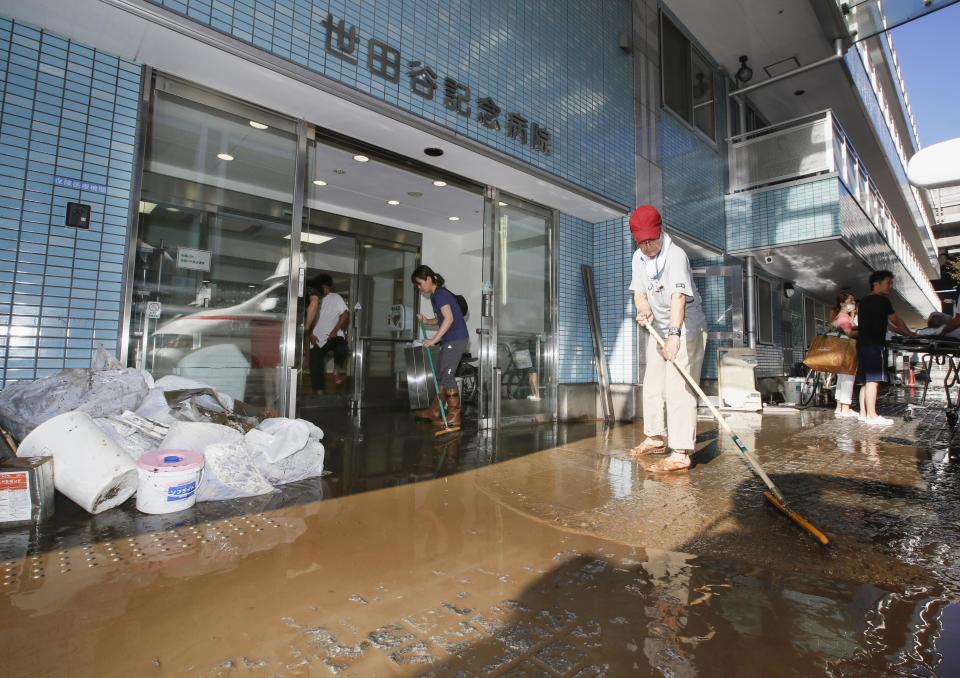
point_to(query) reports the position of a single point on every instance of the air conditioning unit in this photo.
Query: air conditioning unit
(736, 377)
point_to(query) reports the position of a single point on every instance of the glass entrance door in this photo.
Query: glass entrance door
(385, 322)
(210, 285)
(518, 372)
(367, 266)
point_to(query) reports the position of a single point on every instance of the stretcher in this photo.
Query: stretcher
(944, 351)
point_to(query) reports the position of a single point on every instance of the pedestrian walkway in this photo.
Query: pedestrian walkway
(568, 561)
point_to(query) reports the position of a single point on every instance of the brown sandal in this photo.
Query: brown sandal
(670, 464)
(648, 446)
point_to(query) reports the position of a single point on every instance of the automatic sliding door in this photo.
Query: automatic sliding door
(213, 248)
(385, 322)
(519, 327)
(524, 319)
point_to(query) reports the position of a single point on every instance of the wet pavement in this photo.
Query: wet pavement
(428, 560)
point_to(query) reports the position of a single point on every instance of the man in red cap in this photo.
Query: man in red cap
(666, 298)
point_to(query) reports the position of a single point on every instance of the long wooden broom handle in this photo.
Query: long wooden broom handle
(754, 464)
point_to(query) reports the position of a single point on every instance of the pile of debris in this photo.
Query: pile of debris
(97, 424)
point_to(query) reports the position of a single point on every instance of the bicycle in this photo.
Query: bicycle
(816, 383)
(468, 373)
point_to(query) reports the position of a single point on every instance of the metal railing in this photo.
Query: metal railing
(811, 146)
(791, 150)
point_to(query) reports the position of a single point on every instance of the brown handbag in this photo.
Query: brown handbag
(834, 354)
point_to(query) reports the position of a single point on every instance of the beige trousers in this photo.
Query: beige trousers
(669, 404)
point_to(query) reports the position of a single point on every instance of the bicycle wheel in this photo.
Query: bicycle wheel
(809, 389)
(468, 387)
(828, 389)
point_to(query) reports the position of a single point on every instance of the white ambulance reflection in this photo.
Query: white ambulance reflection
(219, 346)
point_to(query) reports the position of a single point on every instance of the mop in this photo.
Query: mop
(772, 493)
(447, 429)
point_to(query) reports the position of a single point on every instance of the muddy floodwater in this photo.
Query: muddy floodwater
(536, 552)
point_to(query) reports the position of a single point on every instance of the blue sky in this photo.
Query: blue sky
(929, 51)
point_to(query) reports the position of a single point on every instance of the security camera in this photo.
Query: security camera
(768, 259)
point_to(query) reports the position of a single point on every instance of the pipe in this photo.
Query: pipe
(751, 309)
(836, 56)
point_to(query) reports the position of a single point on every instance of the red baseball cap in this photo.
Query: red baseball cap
(645, 223)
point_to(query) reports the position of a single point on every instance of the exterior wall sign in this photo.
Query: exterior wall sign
(193, 260)
(82, 185)
(385, 62)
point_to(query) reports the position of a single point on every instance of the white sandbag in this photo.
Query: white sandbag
(286, 450)
(279, 437)
(104, 360)
(197, 436)
(306, 462)
(154, 406)
(229, 473)
(172, 382)
(88, 467)
(27, 404)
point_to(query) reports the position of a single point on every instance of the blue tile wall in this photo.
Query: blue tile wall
(574, 343)
(612, 255)
(694, 178)
(555, 61)
(781, 216)
(66, 111)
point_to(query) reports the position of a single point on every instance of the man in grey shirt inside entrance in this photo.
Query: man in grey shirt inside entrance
(665, 297)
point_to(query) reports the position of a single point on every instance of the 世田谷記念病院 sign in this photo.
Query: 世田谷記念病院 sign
(384, 61)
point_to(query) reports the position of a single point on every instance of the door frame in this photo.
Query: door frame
(490, 416)
(290, 369)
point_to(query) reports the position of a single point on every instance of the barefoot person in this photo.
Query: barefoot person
(666, 298)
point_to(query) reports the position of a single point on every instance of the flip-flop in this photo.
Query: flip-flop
(648, 446)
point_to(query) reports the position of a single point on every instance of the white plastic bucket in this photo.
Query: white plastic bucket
(88, 467)
(168, 480)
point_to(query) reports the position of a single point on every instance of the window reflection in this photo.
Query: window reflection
(213, 250)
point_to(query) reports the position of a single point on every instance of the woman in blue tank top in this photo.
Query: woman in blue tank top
(451, 335)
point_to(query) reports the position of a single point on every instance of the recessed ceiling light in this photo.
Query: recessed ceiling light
(366, 247)
(799, 92)
(313, 238)
(225, 156)
(439, 184)
(258, 125)
(433, 152)
(171, 209)
(393, 202)
(319, 182)
(361, 158)
(454, 218)
(502, 204)
(147, 207)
